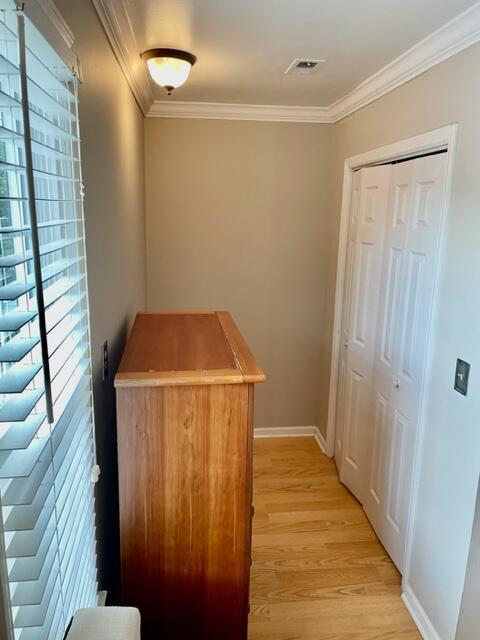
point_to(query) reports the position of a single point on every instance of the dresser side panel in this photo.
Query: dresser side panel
(185, 492)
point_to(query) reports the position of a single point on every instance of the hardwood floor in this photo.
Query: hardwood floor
(319, 572)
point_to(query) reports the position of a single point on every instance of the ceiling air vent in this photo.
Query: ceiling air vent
(301, 66)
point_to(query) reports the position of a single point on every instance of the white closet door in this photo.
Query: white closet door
(342, 369)
(367, 231)
(409, 268)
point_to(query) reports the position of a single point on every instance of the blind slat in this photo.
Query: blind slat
(17, 348)
(51, 247)
(30, 553)
(78, 497)
(19, 463)
(9, 134)
(60, 290)
(31, 591)
(7, 100)
(53, 619)
(35, 615)
(41, 225)
(65, 435)
(39, 70)
(57, 311)
(39, 173)
(19, 406)
(15, 319)
(40, 99)
(72, 476)
(58, 267)
(17, 378)
(6, 33)
(71, 328)
(71, 353)
(72, 580)
(71, 413)
(49, 127)
(24, 490)
(25, 517)
(14, 291)
(53, 153)
(19, 436)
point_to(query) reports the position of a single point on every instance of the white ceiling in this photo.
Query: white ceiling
(244, 46)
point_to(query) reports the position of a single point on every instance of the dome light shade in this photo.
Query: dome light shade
(169, 68)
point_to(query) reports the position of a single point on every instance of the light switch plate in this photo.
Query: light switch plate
(462, 373)
(104, 361)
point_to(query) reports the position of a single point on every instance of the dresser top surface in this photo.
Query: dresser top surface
(186, 347)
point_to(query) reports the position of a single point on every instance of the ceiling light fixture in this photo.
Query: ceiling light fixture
(169, 68)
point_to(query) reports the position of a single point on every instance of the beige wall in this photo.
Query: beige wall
(237, 219)
(113, 170)
(451, 459)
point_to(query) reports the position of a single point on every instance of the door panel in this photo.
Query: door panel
(379, 435)
(408, 275)
(353, 415)
(424, 196)
(396, 461)
(400, 203)
(410, 351)
(366, 241)
(363, 294)
(347, 298)
(391, 306)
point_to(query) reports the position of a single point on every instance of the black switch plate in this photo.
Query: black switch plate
(104, 361)
(461, 377)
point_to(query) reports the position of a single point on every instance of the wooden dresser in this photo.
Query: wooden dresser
(185, 390)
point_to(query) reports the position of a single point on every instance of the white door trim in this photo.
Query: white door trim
(436, 140)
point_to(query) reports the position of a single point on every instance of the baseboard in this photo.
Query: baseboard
(423, 622)
(291, 432)
(320, 439)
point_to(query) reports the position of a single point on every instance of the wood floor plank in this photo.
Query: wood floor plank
(319, 572)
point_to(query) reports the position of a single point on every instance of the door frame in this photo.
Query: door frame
(444, 138)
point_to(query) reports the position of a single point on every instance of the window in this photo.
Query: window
(47, 540)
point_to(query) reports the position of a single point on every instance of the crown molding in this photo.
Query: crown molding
(224, 111)
(455, 36)
(113, 15)
(460, 33)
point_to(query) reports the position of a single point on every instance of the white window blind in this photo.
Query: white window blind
(47, 548)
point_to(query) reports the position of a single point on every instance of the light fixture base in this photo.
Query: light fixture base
(169, 53)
